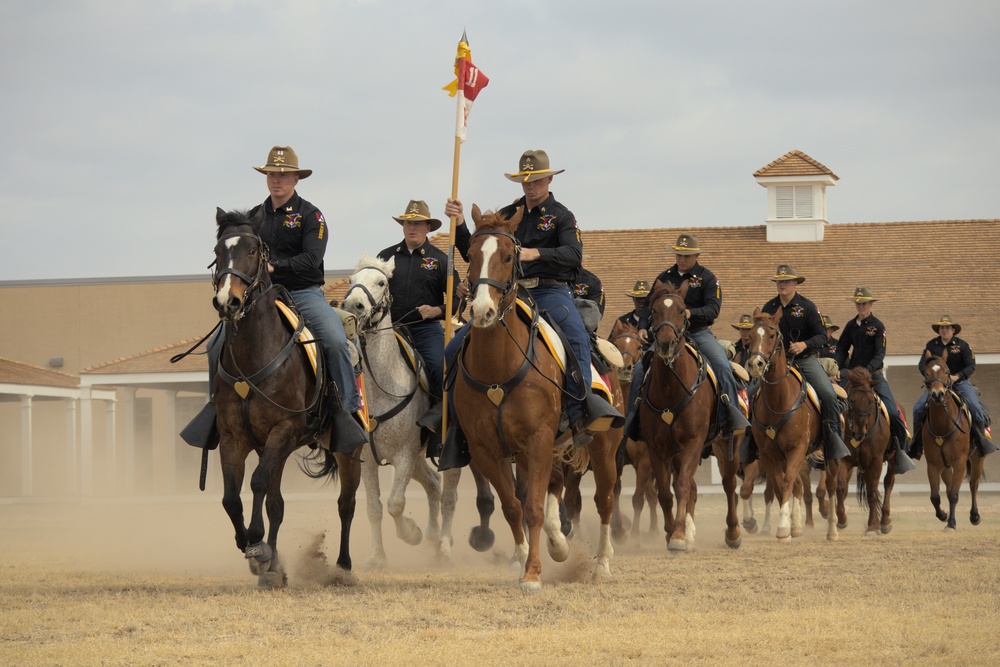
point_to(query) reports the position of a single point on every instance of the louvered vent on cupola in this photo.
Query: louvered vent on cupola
(796, 197)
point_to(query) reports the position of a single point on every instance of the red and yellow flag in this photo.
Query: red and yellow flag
(470, 80)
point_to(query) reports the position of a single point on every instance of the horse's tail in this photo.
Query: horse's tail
(863, 492)
(319, 463)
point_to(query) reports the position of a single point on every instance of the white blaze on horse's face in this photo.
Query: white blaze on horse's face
(482, 305)
(222, 295)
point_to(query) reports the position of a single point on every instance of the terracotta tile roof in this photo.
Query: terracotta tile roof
(156, 360)
(16, 372)
(795, 163)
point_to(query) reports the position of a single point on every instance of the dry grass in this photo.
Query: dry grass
(162, 584)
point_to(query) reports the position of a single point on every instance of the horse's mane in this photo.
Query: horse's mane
(371, 262)
(661, 288)
(495, 221)
(229, 219)
(624, 327)
(859, 376)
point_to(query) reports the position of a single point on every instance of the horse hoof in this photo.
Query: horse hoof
(531, 587)
(258, 557)
(676, 545)
(784, 534)
(974, 518)
(619, 534)
(558, 551)
(787, 539)
(796, 532)
(375, 564)
(481, 539)
(832, 537)
(601, 572)
(942, 516)
(841, 526)
(750, 526)
(734, 543)
(272, 580)
(950, 529)
(872, 533)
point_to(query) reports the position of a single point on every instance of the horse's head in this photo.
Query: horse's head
(625, 337)
(937, 378)
(860, 401)
(240, 263)
(668, 322)
(368, 296)
(765, 342)
(494, 266)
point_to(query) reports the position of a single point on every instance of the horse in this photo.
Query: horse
(395, 402)
(625, 337)
(753, 474)
(266, 397)
(677, 410)
(785, 423)
(508, 400)
(868, 436)
(946, 431)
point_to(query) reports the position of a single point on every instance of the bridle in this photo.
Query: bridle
(625, 372)
(509, 288)
(677, 344)
(856, 420)
(253, 283)
(778, 345)
(378, 308)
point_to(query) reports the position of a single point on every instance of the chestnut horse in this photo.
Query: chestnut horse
(625, 337)
(266, 395)
(508, 399)
(785, 423)
(946, 443)
(677, 410)
(866, 432)
(753, 474)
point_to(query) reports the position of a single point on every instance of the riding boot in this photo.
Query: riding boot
(834, 448)
(201, 431)
(455, 451)
(631, 429)
(748, 449)
(582, 436)
(983, 441)
(904, 463)
(917, 443)
(346, 432)
(432, 418)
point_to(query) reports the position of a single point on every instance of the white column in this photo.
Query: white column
(71, 447)
(26, 445)
(128, 405)
(170, 450)
(86, 441)
(110, 446)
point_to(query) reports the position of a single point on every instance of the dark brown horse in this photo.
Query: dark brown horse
(785, 423)
(626, 338)
(946, 443)
(508, 399)
(677, 410)
(866, 430)
(266, 395)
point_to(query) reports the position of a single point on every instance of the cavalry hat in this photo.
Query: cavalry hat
(862, 295)
(687, 244)
(828, 323)
(746, 322)
(283, 160)
(417, 210)
(945, 321)
(640, 290)
(532, 166)
(786, 272)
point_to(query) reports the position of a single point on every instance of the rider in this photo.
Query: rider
(742, 346)
(804, 335)
(961, 365)
(417, 286)
(296, 234)
(829, 349)
(588, 286)
(551, 256)
(864, 339)
(702, 303)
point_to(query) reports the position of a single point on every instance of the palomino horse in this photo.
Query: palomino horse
(508, 399)
(867, 434)
(395, 402)
(266, 397)
(625, 337)
(677, 410)
(946, 443)
(784, 422)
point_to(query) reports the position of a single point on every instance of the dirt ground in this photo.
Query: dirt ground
(159, 581)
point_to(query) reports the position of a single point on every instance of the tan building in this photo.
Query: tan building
(90, 403)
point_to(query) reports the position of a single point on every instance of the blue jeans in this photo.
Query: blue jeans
(326, 324)
(428, 338)
(820, 381)
(964, 389)
(710, 348)
(558, 301)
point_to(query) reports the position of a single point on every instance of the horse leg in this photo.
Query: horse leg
(430, 479)
(572, 499)
(406, 528)
(784, 489)
(620, 524)
(843, 480)
(449, 501)
(369, 471)
(934, 478)
(258, 553)
(233, 470)
(954, 485)
(662, 474)
(274, 576)
(606, 481)
(552, 522)
(797, 506)
(976, 463)
(821, 499)
(750, 473)
(727, 470)
(888, 483)
(349, 468)
(769, 486)
(682, 538)
(481, 537)
(807, 494)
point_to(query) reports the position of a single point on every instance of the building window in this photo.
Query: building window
(793, 201)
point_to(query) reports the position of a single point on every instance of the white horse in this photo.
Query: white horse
(395, 403)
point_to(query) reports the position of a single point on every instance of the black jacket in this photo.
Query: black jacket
(961, 360)
(419, 278)
(296, 235)
(800, 323)
(551, 228)
(866, 344)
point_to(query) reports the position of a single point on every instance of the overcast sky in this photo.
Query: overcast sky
(126, 123)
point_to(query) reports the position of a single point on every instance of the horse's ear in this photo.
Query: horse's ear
(756, 312)
(477, 215)
(944, 356)
(390, 266)
(683, 289)
(515, 219)
(777, 314)
(258, 219)
(220, 215)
